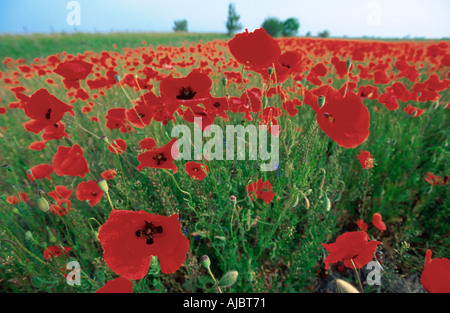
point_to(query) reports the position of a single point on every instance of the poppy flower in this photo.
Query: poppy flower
(140, 115)
(109, 174)
(39, 172)
(351, 246)
(12, 200)
(435, 276)
(70, 161)
(196, 170)
(117, 146)
(413, 111)
(60, 192)
(117, 285)
(193, 89)
(288, 63)
(130, 238)
(74, 70)
(116, 119)
(147, 144)
(61, 208)
(161, 157)
(365, 159)
(37, 145)
(377, 221)
(255, 49)
(46, 108)
(435, 179)
(344, 119)
(362, 225)
(89, 191)
(261, 190)
(55, 251)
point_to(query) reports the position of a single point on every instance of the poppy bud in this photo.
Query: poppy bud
(233, 198)
(224, 81)
(105, 139)
(28, 235)
(52, 237)
(270, 70)
(348, 63)
(321, 101)
(228, 279)
(346, 287)
(117, 78)
(43, 204)
(8, 168)
(327, 204)
(205, 261)
(103, 185)
(297, 200)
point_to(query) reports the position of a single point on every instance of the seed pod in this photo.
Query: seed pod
(117, 78)
(348, 63)
(321, 101)
(103, 185)
(205, 261)
(327, 204)
(297, 200)
(228, 279)
(43, 204)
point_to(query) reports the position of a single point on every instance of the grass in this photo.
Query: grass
(320, 190)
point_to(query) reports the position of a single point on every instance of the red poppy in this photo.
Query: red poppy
(117, 285)
(89, 191)
(344, 119)
(74, 70)
(130, 238)
(140, 115)
(365, 159)
(12, 200)
(261, 190)
(413, 111)
(435, 276)
(109, 174)
(256, 49)
(377, 221)
(351, 246)
(147, 144)
(39, 172)
(61, 208)
(161, 157)
(60, 192)
(55, 251)
(117, 146)
(288, 63)
(196, 170)
(435, 179)
(362, 225)
(37, 145)
(193, 89)
(116, 119)
(46, 108)
(70, 161)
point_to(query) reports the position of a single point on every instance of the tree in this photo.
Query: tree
(273, 26)
(324, 34)
(290, 27)
(180, 26)
(233, 24)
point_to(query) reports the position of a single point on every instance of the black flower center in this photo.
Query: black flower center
(216, 104)
(159, 158)
(285, 65)
(47, 115)
(329, 117)
(148, 231)
(186, 93)
(141, 115)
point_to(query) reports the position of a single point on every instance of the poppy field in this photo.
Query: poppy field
(118, 174)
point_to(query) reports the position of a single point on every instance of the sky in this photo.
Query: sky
(351, 18)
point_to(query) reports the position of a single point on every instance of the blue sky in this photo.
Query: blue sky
(353, 18)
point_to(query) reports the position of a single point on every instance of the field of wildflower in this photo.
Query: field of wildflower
(118, 173)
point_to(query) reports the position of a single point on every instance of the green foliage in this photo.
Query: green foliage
(232, 23)
(180, 26)
(324, 34)
(273, 26)
(290, 27)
